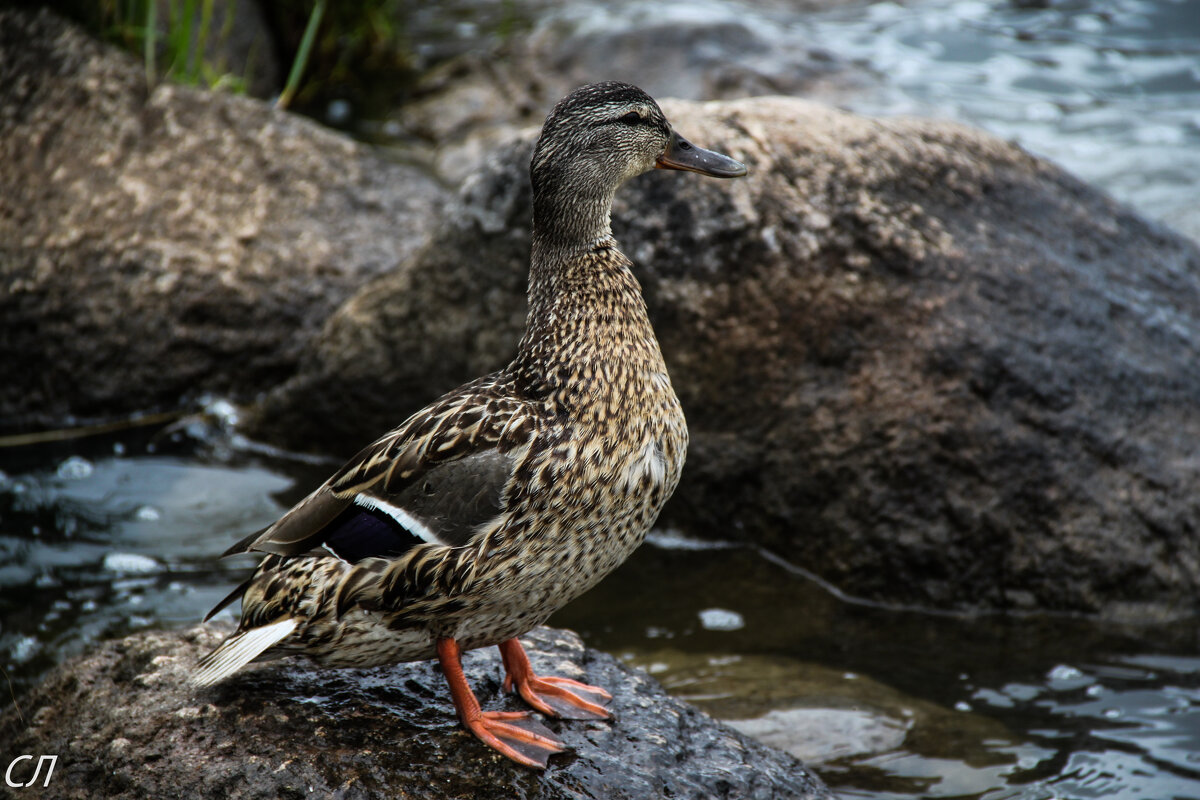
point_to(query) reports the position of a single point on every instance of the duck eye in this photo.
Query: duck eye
(632, 118)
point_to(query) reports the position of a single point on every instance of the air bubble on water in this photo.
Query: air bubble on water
(1065, 677)
(75, 468)
(721, 619)
(222, 410)
(130, 563)
(24, 648)
(1064, 672)
(147, 514)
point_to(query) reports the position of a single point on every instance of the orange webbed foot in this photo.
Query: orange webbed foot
(514, 734)
(517, 735)
(557, 697)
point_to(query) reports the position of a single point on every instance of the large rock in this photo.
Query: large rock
(125, 723)
(160, 243)
(916, 360)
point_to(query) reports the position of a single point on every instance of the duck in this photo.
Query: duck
(483, 513)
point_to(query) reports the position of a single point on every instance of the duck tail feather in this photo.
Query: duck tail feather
(239, 650)
(229, 598)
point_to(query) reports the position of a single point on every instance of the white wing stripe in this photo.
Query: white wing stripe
(402, 517)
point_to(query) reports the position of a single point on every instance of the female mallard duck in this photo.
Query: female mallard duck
(485, 512)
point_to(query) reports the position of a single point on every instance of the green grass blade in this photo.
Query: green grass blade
(150, 42)
(201, 42)
(306, 43)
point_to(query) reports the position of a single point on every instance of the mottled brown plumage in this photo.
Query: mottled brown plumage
(485, 512)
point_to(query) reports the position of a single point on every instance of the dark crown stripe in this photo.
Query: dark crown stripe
(596, 94)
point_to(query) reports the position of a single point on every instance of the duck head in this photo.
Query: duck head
(595, 139)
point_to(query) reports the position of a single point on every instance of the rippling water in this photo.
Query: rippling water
(1110, 89)
(103, 536)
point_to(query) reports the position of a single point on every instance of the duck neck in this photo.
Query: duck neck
(569, 219)
(585, 305)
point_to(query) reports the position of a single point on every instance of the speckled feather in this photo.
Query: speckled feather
(597, 440)
(570, 451)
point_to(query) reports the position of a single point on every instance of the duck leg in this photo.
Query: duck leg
(512, 733)
(558, 697)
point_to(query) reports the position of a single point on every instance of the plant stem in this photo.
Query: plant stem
(150, 40)
(306, 43)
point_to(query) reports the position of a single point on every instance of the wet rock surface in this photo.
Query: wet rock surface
(916, 361)
(156, 244)
(125, 723)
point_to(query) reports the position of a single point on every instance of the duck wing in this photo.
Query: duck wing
(436, 479)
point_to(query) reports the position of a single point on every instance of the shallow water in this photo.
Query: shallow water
(106, 535)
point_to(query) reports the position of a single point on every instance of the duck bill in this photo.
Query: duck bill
(682, 154)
